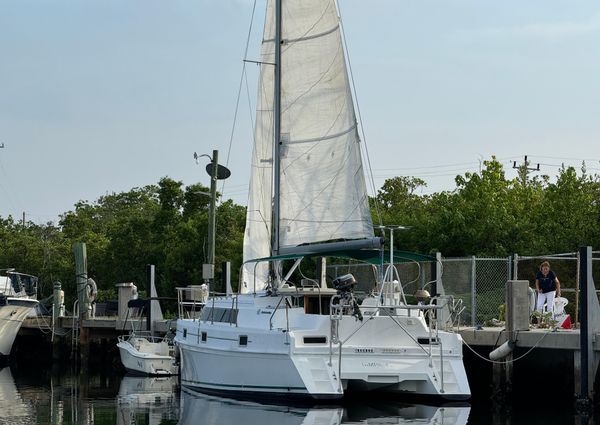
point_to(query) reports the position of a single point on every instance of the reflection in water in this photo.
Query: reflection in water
(211, 410)
(153, 399)
(12, 407)
(31, 395)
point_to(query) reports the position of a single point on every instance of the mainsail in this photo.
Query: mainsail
(323, 194)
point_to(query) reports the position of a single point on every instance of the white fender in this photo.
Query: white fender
(502, 351)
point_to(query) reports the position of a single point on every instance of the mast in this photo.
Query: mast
(276, 131)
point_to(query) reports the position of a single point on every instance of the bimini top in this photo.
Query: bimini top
(347, 250)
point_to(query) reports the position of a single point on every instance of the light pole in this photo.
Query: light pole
(216, 172)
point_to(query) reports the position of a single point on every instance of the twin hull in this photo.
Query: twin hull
(287, 352)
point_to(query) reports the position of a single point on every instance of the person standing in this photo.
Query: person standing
(548, 287)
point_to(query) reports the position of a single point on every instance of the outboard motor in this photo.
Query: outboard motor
(344, 285)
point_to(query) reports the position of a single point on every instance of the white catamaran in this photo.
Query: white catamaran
(308, 198)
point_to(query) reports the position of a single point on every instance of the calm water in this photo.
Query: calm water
(30, 395)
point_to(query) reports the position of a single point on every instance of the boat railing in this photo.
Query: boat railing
(147, 335)
(190, 300)
(287, 320)
(342, 305)
(429, 310)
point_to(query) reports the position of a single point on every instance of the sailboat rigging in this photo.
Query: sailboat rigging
(308, 198)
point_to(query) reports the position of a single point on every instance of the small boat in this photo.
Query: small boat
(146, 354)
(142, 352)
(18, 294)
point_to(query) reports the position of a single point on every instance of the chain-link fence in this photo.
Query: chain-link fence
(566, 267)
(479, 282)
(413, 275)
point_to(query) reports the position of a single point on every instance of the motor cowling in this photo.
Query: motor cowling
(344, 283)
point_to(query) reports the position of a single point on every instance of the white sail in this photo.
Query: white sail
(322, 191)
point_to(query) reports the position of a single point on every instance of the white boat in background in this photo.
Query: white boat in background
(146, 354)
(18, 294)
(143, 352)
(308, 198)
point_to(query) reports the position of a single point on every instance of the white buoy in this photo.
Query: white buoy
(502, 351)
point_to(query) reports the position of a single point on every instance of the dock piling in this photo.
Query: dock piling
(589, 315)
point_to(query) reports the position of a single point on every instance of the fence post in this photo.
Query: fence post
(577, 289)
(515, 266)
(473, 292)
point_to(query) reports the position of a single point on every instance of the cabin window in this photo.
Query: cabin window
(185, 333)
(243, 340)
(203, 336)
(222, 315)
(315, 340)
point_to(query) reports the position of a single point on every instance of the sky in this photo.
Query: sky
(101, 96)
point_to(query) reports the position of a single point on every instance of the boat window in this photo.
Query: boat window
(203, 336)
(243, 340)
(315, 339)
(185, 333)
(225, 315)
(15, 281)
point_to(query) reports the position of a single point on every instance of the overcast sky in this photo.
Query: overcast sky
(101, 96)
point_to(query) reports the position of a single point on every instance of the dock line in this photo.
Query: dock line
(513, 360)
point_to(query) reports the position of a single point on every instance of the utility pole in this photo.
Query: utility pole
(524, 169)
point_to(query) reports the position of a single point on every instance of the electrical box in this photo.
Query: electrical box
(517, 305)
(208, 271)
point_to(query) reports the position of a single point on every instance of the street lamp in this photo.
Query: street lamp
(216, 172)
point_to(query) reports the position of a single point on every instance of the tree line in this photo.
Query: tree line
(166, 224)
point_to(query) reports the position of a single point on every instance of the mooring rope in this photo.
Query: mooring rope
(513, 360)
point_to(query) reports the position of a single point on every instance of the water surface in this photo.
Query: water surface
(30, 396)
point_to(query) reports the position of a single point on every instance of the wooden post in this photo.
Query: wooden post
(57, 308)
(81, 277)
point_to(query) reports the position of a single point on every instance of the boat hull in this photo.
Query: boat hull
(139, 363)
(245, 373)
(12, 315)
(282, 363)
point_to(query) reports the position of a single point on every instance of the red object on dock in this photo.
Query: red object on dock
(566, 324)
